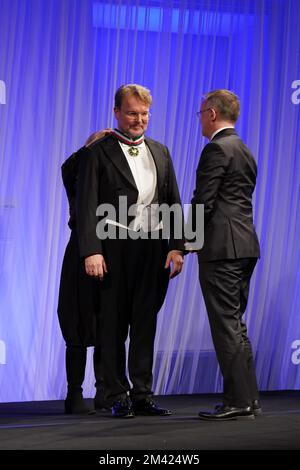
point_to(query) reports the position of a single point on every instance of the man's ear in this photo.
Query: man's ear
(213, 114)
(117, 112)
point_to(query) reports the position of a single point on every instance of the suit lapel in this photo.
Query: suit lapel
(116, 155)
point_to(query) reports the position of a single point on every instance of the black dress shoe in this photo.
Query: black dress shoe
(256, 407)
(75, 405)
(148, 407)
(227, 413)
(122, 409)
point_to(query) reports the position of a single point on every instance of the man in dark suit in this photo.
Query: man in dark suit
(128, 253)
(226, 177)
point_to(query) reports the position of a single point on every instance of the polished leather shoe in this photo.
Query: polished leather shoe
(122, 409)
(148, 407)
(256, 407)
(227, 413)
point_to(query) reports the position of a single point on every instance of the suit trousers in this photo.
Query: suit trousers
(225, 287)
(132, 293)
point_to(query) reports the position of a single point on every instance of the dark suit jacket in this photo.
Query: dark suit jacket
(69, 172)
(226, 177)
(104, 176)
(78, 301)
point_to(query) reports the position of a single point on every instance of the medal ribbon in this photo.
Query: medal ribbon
(127, 140)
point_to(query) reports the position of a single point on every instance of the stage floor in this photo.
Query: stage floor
(43, 425)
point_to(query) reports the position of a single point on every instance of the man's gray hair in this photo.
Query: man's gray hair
(225, 102)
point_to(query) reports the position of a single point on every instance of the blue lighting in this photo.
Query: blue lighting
(172, 20)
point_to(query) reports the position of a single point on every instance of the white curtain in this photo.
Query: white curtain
(60, 64)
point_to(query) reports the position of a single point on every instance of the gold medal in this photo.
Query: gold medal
(133, 151)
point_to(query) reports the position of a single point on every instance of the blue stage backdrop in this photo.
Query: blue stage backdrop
(60, 64)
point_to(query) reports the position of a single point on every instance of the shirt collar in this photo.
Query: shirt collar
(219, 130)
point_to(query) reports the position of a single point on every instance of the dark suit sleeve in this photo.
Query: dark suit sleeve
(212, 167)
(69, 171)
(173, 197)
(87, 203)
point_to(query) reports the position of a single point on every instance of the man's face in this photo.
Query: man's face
(132, 116)
(205, 119)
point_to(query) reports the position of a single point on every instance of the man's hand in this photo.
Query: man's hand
(176, 258)
(96, 136)
(95, 266)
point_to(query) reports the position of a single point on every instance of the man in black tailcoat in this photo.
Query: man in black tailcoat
(128, 254)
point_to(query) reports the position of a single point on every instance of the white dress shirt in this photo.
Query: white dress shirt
(143, 170)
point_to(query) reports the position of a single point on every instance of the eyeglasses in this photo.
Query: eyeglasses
(198, 113)
(133, 115)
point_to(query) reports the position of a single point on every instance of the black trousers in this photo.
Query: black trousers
(225, 288)
(76, 364)
(132, 293)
